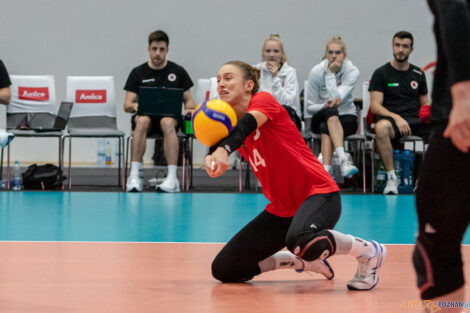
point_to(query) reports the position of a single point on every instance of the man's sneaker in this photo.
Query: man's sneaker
(169, 185)
(367, 274)
(134, 184)
(392, 186)
(347, 168)
(318, 266)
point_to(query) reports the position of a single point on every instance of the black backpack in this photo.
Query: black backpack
(47, 176)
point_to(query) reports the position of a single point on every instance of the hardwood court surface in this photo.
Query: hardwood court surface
(59, 277)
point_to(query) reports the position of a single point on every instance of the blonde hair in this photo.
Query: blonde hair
(337, 40)
(249, 73)
(275, 37)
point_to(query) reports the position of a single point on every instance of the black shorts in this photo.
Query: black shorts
(418, 128)
(320, 126)
(155, 128)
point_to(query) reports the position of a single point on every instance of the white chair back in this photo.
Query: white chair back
(92, 96)
(206, 89)
(32, 94)
(306, 96)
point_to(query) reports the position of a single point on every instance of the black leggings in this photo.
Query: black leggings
(443, 207)
(266, 234)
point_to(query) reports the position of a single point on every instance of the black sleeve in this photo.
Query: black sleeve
(377, 81)
(186, 81)
(245, 126)
(4, 78)
(423, 86)
(132, 83)
(453, 22)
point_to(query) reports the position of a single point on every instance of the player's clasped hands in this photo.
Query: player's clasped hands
(216, 163)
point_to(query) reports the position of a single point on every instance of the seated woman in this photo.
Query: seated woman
(279, 78)
(330, 86)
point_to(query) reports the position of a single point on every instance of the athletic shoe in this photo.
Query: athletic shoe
(169, 185)
(317, 266)
(367, 274)
(392, 186)
(347, 168)
(134, 184)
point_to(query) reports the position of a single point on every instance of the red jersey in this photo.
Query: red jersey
(281, 160)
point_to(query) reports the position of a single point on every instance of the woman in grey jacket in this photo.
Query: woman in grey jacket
(331, 101)
(279, 78)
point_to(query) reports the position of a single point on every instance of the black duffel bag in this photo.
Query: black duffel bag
(47, 176)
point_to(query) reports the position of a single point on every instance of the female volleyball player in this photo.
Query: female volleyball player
(304, 200)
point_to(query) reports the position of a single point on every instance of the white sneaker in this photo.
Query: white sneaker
(367, 274)
(347, 168)
(169, 185)
(134, 184)
(392, 186)
(5, 138)
(317, 266)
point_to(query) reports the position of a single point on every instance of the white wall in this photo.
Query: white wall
(109, 37)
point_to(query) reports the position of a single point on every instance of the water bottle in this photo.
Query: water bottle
(101, 153)
(109, 154)
(188, 127)
(397, 164)
(17, 179)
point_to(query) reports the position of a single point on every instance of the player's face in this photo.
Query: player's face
(231, 84)
(272, 51)
(157, 53)
(402, 49)
(334, 53)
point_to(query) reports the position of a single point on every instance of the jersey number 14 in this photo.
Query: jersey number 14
(258, 160)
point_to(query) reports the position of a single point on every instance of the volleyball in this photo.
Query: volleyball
(212, 121)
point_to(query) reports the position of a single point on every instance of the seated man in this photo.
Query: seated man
(331, 84)
(5, 94)
(156, 72)
(397, 91)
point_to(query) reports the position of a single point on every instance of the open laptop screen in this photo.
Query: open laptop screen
(158, 101)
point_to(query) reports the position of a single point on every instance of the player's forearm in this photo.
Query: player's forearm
(130, 107)
(461, 92)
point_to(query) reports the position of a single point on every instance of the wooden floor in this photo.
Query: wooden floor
(50, 277)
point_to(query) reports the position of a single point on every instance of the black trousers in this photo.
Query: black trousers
(266, 234)
(443, 207)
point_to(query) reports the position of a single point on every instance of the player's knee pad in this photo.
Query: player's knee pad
(312, 246)
(438, 270)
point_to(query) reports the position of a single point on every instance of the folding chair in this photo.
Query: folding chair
(33, 96)
(93, 115)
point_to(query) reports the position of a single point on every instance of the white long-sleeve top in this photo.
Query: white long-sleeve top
(284, 86)
(323, 86)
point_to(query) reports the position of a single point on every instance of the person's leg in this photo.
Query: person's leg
(383, 134)
(311, 237)
(326, 150)
(442, 204)
(348, 127)
(141, 125)
(239, 259)
(170, 147)
(385, 130)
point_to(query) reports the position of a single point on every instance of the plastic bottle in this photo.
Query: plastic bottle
(101, 153)
(109, 154)
(397, 165)
(17, 179)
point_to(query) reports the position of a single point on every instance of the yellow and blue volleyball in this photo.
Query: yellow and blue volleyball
(212, 121)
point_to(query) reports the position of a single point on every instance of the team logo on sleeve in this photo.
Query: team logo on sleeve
(172, 77)
(414, 84)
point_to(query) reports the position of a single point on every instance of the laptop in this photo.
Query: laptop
(60, 121)
(160, 101)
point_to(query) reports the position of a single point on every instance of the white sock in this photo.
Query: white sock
(172, 171)
(280, 260)
(391, 174)
(340, 153)
(327, 167)
(350, 245)
(136, 169)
